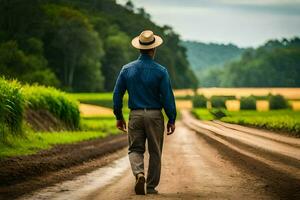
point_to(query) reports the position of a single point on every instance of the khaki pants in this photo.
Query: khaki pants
(146, 125)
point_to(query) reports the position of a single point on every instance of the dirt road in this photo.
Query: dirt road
(202, 160)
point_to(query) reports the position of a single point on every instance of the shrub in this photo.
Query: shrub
(277, 102)
(186, 97)
(260, 97)
(203, 114)
(199, 101)
(248, 103)
(219, 101)
(55, 101)
(218, 113)
(11, 108)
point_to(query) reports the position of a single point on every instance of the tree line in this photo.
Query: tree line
(207, 57)
(274, 64)
(80, 45)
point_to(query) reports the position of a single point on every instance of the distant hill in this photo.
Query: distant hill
(204, 57)
(273, 64)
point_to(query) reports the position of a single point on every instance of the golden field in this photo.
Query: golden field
(289, 93)
(87, 110)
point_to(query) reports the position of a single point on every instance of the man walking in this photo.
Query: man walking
(149, 90)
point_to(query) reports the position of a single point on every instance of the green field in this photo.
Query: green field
(32, 142)
(99, 99)
(36, 141)
(104, 124)
(202, 114)
(278, 120)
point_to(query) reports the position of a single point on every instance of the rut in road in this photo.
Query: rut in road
(192, 169)
(273, 158)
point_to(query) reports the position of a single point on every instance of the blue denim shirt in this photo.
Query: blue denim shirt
(148, 85)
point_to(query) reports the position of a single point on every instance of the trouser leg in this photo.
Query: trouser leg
(136, 139)
(154, 127)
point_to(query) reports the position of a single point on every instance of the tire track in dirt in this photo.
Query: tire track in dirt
(191, 169)
(24, 174)
(272, 159)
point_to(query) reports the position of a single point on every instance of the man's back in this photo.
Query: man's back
(143, 78)
(148, 86)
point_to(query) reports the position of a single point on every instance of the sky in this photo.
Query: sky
(246, 23)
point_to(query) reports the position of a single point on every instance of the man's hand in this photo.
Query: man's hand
(170, 128)
(121, 125)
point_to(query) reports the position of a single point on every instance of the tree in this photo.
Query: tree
(80, 45)
(74, 41)
(118, 53)
(28, 68)
(129, 5)
(275, 64)
(144, 14)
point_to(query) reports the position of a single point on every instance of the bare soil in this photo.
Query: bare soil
(24, 174)
(43, 120)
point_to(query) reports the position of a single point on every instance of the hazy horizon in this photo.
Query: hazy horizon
(245, 23)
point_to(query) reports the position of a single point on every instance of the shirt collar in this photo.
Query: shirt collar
(144, 56)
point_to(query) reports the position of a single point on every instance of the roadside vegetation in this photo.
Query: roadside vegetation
(36, 141)
(99, 99)
(278, 120)
(278, 115)
(17, 136)
(54, 101)
(11, 109)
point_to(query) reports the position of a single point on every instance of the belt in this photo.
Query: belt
(147, 109)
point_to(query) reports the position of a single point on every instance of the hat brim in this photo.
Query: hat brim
(136, 43)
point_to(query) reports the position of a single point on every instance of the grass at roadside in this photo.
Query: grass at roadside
(91, 96)
(99, 99)
(34, 142)
(202, 114)
(277, 120)
(105, 124)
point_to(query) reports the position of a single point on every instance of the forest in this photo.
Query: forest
(80, 45)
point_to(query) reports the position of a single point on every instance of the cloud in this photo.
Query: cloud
(243, 22)
(287, 7)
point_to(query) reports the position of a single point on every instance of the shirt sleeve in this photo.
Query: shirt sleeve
(167, 97)
(119, 91)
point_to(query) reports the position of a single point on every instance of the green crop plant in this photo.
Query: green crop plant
(278, 120)
(55, 101)
(11, 108)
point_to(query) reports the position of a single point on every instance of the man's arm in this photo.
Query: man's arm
(168, 101)
(119, 91)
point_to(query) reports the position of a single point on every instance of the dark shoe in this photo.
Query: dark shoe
(140, 184)
(152, 191)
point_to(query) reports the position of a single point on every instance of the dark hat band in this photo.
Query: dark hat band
(147, 43)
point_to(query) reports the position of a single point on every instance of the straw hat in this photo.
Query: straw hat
(146, 40)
